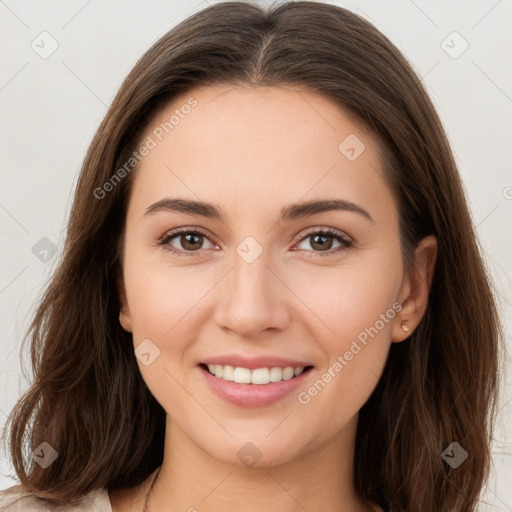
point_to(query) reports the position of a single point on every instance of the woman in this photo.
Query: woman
(271, 295)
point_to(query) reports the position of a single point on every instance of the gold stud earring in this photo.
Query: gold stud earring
(405, 327)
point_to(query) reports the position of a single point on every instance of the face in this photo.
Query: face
(254, 282)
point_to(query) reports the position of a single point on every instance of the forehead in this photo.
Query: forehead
(242, 144)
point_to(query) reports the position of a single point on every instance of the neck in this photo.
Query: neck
(190, 479)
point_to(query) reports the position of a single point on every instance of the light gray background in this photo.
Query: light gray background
(50, 108)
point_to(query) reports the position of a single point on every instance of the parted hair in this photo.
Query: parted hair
(87, 398)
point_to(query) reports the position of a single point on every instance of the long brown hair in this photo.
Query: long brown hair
(88, 400)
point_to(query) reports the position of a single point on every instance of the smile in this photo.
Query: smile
(253, 388)
(258, 376)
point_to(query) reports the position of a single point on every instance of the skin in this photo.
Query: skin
(252, 151)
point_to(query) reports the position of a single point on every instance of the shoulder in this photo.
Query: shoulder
(17, 499)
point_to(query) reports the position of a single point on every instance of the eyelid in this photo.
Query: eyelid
(325, 230)
(189, 229)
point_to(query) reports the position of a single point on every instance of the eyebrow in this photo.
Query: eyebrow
(288, 212)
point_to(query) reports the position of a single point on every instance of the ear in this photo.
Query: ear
(415, 289)
(124, 314)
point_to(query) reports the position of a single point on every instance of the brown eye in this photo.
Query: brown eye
(191, 241)
(321, 242)
(185, 242)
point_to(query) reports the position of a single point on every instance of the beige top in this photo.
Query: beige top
(15, 499)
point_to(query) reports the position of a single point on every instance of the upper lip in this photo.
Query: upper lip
(263, 361)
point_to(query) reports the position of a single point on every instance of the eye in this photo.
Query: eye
(190, 241)
(322, 239)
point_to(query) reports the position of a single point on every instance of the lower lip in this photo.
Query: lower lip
(252, 395)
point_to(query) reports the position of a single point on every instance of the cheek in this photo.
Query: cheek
(352, 298)
(165, 301)
(352, 310)
(165, 306)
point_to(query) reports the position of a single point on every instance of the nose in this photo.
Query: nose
(252, 298)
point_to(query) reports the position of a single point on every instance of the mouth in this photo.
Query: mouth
(254, 377)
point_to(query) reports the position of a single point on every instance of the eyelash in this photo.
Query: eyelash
(337, 235)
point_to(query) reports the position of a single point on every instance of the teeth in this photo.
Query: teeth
(276, 374)
(258, 376)
(241, 375)
(228, 374)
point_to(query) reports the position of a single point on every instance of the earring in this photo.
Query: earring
(405, 327)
